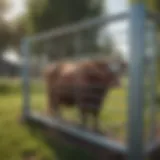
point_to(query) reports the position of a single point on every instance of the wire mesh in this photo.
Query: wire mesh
(151, 112)
(97, 42)
(82, 44)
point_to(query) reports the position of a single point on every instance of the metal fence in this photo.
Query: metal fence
(83, 41)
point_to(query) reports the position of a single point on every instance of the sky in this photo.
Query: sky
(117, 30)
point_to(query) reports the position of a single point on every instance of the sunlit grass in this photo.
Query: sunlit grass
(113, 114)
(15, 138)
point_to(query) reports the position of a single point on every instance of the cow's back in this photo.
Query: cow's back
(64, 86)
(79, 82)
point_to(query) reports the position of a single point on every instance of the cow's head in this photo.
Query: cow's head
(116, 67)
(110, 71)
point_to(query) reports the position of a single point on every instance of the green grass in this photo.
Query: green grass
(17, 138)
(113, 115)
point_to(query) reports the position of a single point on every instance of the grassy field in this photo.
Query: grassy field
(16, 139)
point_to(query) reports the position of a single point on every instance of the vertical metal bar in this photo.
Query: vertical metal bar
(77, 44)
(25, 77)
(136, 86)
(153, 82)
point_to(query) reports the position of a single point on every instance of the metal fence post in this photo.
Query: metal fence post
(25, 77)
(153, 79)
(77, 45)
(136, 88)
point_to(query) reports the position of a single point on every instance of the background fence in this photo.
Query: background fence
(92, 40)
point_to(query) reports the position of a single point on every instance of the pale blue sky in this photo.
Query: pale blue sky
(119, 30)
(116, 6)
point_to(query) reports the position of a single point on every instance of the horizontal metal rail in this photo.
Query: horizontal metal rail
(87, 89)
(93, 138)
(82, 25)
(90, 137)
(85, 56)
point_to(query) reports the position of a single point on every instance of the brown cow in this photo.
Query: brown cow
(81, 84)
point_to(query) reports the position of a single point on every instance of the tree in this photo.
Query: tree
(47, 14)
(4, 7)
(5, 30)
(154, 6)
(18, 32)
(5, 35)
(44, 15)
(10, 31)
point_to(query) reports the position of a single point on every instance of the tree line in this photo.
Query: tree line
(43, 15)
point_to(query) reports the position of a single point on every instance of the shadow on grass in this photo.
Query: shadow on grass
(61, 148)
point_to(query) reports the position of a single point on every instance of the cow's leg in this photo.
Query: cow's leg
(56, 109)
(50, 106)
(53, 106)
(96, 126)
(83, 118)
